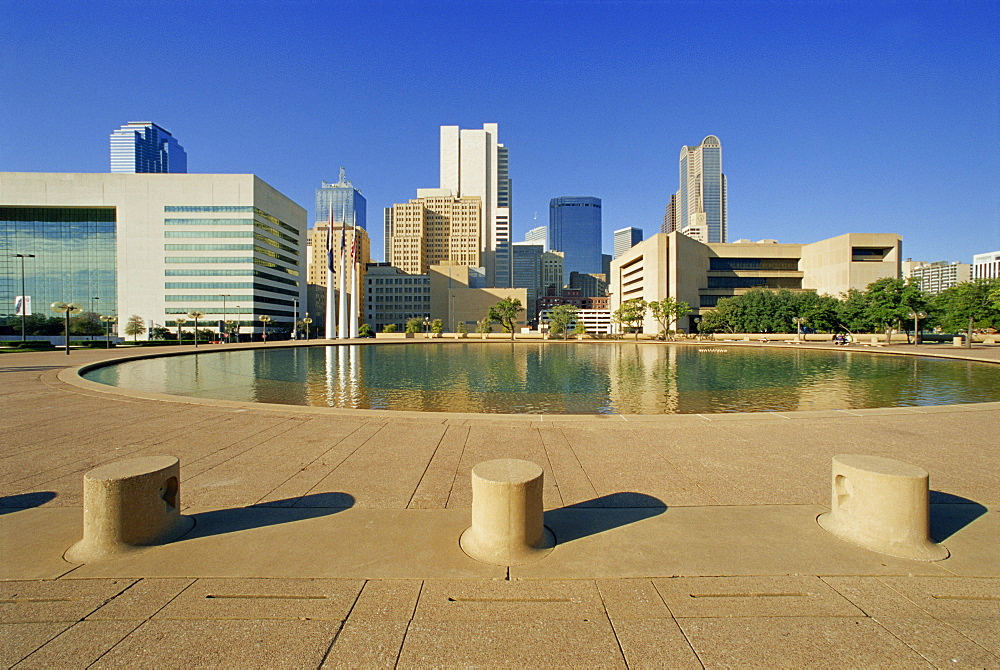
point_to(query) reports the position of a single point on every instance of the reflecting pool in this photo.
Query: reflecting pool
(556, 378)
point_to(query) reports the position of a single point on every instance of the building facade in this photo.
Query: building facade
(475, 164)
(700, 206)
(538, 235)
(323, 251)
(437, 227)
(625, 239)
(674, 265)
(394, 297)
(144, 147)
(575, 230)
(986, 266)
(938, 276)
(527, 266)
(229, 246)
(341, 203)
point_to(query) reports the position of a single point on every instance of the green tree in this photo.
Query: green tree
(819, 311)
(437, 326)
(560, 317)
(364, 330)
(461, 327)
(666, 312)
(87, 323)
(414, 325)
(852, 313)
(484, 326)
(631, 314)
(160, 333)
(389, 328)
(890, 300)
(505, 313)
(970, 305)
(135, 327)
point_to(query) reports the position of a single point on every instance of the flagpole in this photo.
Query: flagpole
(331, 303)
(354, 278)
(342, 331)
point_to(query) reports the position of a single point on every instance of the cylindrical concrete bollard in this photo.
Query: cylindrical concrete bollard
(130, 504)
(957, 342)
(883, 505)
(507, 521)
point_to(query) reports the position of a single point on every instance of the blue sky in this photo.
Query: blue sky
(834, 116)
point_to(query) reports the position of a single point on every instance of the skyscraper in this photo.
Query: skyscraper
(143, 146)
(539, 235)
(474, 164)
(699, 209)
(626, 238)
(436, 228)
(575, 230)
(342, 202)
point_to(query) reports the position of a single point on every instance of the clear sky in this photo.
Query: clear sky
(834, 117)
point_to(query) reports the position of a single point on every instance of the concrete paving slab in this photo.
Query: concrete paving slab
(305, 599)
(214, 644)
(753, 596)
(394, 599)
(32, 542)
(142, 600)
(506, 600)
(80, 645)
(875, 598)
(566, 643)
(367, 644)
(63, 600)
(951, 597)
(797, 642)
(19, 640)
(654, 643)
(632, 599)
(939, 643)
(984, 632)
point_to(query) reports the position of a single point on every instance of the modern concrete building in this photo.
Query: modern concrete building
(457, 296)
(625, 239)
(143, 146)
(341, 202)
(393, 296)
(938, 276)
(986, 266)
(700, 206)
(437, 227)
(157, 245)
(575, 230)
(475, 164)
(674, 265)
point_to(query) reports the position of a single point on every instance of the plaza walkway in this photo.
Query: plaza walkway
(329, 538)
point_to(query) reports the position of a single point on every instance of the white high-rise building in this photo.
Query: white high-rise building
(986, 266)
(539, 235)
(143, 146)
(699, 209)
(474, 164)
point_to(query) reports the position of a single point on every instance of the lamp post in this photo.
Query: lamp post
(66, 308)
(24, 298)
(180, 322)
(306, 321)
(916, 316)
(195, 314)
(264, 319)
(295, 318)
(108, 320)
(798, 321)
(225, 326)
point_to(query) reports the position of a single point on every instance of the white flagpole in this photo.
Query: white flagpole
(331, 303)
(342, 330)
(354, 278)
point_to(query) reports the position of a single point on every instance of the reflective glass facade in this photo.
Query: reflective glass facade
(74, 249)
(575, 230)
(141, 146)
(342, 202)
(702, 190)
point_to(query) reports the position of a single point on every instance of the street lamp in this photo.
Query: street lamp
(225, 328)
(798, 321)
(306, 321)
(180, 322)
(108, 320)
(264, 319)
(295, 318)
(67, 309)
(195, 314)
(916, 316)
(24, 298)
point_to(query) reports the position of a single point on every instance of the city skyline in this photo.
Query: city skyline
(833, 116)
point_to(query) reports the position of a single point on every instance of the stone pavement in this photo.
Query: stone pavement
(330, 537)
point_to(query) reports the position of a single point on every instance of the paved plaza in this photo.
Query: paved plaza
(330, 538)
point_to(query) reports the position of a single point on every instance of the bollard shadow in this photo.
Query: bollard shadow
(273, 513)
(22, 501)
(951, 513)
(602, 514)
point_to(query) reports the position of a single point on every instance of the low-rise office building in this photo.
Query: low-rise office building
(394, 297)
(677, 266)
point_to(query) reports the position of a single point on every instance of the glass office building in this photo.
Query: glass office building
(575, 230)
(74, 258)
(341, 202)
(142, 146)
(702, 198)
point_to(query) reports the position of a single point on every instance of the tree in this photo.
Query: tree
(580, 328)
(560, 317)
(666, 312)
(414, 325)
(389, 328)
(159, 333)
(970, 304)
(461, 327)
(87, 323)
(631, 314)
(135, 327)
(364, 330)
(484, 326)
(437, 326)
(889, 301)
(505, 313)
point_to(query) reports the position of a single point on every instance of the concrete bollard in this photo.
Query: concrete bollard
(883, 505)
(874, 339)
(507, 522)
(130, 504)
(957, 342)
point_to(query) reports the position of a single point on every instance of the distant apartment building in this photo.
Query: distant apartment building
(575, 230)
(625, 239)
(674, 265)
(986, 266)
(144, 147)
(437, 227)
(938, 276)
(699, 209)
(156, 246)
